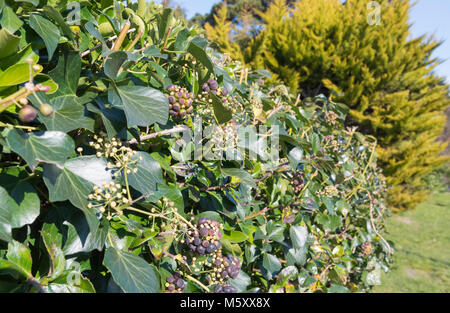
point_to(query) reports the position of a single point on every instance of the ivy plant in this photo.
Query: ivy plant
(134, 158)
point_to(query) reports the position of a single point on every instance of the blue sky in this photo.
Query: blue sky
(427, 17)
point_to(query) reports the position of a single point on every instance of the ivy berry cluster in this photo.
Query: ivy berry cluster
(180, 101)
(27, 113)
(175, 283)
(297, 182)
(225, 267)
(206, 239)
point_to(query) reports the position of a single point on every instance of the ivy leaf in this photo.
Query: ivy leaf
(144, 106)
(338, 289)
(329, 222)
(299, 236)
(131, 272)
(242, 175)
(5, 215)
(9, 43)
(68, 222)
(68, 113)
(295, 157)
(33, 2)
(15, 74)
(235, 236)
(113, 63)
(181, 43)
(75, 181)
(200, 54)
(49, 146)
(172, 193)
(241, 282)
(58, 261)
(296, 256)
(47, 31)
(221, 113)
(83, 286)
(271, 265)
(67, 73)
(18, 260)
(58, 18)
(164, 22)
(9, 20)
(24, 204)
(148, 175)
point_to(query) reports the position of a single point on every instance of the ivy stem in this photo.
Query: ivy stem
(6, 102)
(125, 176)
(17, 126)
(167, 38)
(197, 282)
(121, 36)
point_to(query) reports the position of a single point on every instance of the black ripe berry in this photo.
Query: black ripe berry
(225, 289)
(213, 85)
(175, 283)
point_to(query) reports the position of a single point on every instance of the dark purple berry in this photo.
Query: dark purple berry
(197, 241)
(179, 283)
(172, 99)
(201, 250)
(213, 84)
(229, 289)
(203, 231)
(224, 91)
(170, 279)
(205, 87)
(205, 243)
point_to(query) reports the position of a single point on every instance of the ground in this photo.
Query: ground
(422, 248)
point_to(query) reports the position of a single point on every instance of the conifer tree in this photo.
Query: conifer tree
(384, 75)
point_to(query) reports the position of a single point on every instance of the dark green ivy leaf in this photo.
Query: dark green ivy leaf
(131, 272)
(148, 175)
(144, 106)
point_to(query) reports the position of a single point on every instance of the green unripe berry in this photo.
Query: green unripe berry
(46, 109)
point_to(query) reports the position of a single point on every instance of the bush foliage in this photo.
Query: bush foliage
(373, 66)
(99, 190)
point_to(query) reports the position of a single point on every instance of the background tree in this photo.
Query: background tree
(385, 76)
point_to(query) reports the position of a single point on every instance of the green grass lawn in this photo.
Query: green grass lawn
(422, 248)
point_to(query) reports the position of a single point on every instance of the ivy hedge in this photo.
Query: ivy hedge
(135, 158)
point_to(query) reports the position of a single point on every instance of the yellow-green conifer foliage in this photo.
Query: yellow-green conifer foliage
(385, 76)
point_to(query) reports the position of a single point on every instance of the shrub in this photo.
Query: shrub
(101, 192)
(384, 76)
